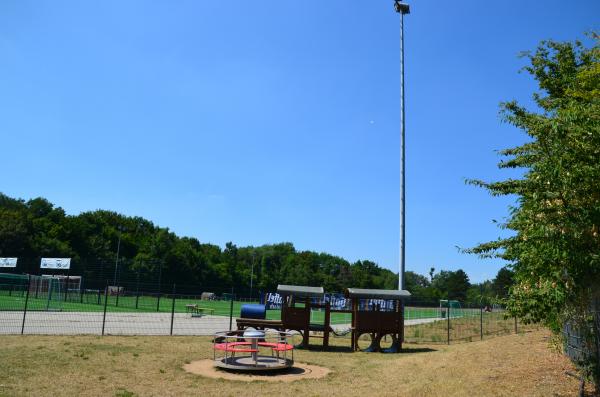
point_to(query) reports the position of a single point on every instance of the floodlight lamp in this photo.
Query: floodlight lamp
(402, 8)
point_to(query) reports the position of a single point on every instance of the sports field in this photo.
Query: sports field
(92, 302)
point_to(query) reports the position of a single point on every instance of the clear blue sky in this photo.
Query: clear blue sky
(267, 121)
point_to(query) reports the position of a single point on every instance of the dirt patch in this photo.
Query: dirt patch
(299, 371)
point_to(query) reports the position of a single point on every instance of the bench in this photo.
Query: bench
(198, 311)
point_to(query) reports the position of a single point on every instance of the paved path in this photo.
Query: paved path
(80, 323)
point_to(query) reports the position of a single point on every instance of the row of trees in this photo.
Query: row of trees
(157, 258)
(36, 228)
(456, 285)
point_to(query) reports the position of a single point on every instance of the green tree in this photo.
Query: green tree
(502, 283)
(451, 284)
(416, 284)
(555, 249)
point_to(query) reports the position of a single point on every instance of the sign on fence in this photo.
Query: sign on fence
(337, 301)
(382, 303)
(55, 263)
(273, 301)
(8, 262)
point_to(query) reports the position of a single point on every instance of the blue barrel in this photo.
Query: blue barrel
(254, 311)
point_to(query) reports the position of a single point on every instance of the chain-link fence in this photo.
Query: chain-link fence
(582, 342)
(62, 305)
(454, 321)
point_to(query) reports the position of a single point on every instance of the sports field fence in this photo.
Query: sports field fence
(42, 304)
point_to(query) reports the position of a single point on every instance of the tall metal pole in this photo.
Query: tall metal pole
(402, 8)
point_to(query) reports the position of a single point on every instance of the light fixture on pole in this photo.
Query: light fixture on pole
(402, 9)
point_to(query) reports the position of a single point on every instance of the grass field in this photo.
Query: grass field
(95, 303)
(514, 365)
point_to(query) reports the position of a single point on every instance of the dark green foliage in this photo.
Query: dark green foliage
(36, 228)
(453, 284)
(503, 281)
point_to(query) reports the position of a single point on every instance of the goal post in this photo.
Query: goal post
(47, 292)
(452, 306)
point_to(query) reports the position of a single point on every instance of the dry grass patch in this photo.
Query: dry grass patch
(515, 365)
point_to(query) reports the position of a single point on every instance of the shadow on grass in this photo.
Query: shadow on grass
(411, 350)
(330, 349)
(347, 349)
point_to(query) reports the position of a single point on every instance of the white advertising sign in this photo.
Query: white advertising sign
(8, 262)
(55, 263)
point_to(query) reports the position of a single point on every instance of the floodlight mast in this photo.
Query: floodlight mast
(402, 8)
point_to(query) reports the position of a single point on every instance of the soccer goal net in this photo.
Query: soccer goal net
(47, 293)
(450, 306)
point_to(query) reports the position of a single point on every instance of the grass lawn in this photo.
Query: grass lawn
(514, 365)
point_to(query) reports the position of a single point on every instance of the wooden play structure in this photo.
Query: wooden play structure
(375, 313)
(298, 301)
(378, 313)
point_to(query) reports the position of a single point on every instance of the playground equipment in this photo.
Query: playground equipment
(247, 350)
(378, 314)
(254, 311)
(298, 301)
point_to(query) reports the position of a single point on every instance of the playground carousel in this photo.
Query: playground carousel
(253, 350)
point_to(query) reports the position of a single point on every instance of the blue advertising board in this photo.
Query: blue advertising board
(272, 301)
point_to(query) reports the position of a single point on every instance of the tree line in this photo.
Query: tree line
(158, 258)
(36, 228)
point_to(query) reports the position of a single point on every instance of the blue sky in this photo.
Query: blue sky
(269, 121)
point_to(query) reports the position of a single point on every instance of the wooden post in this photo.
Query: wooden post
(326, 324)
(306, 336)
(401, 336)
(353, 322)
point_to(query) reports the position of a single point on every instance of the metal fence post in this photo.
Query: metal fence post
(448, 316)
(26, 302)
(158, 302)
(67, 289)
(137, 290)
(105, 304)
(231, 310)
(481, 321)
(173, 310)
(81, 290)
(516, 327)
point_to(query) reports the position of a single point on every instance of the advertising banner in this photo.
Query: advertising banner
(273, 301)
(337, 301)
(55, 263)
(386, 305)
(8, 262)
